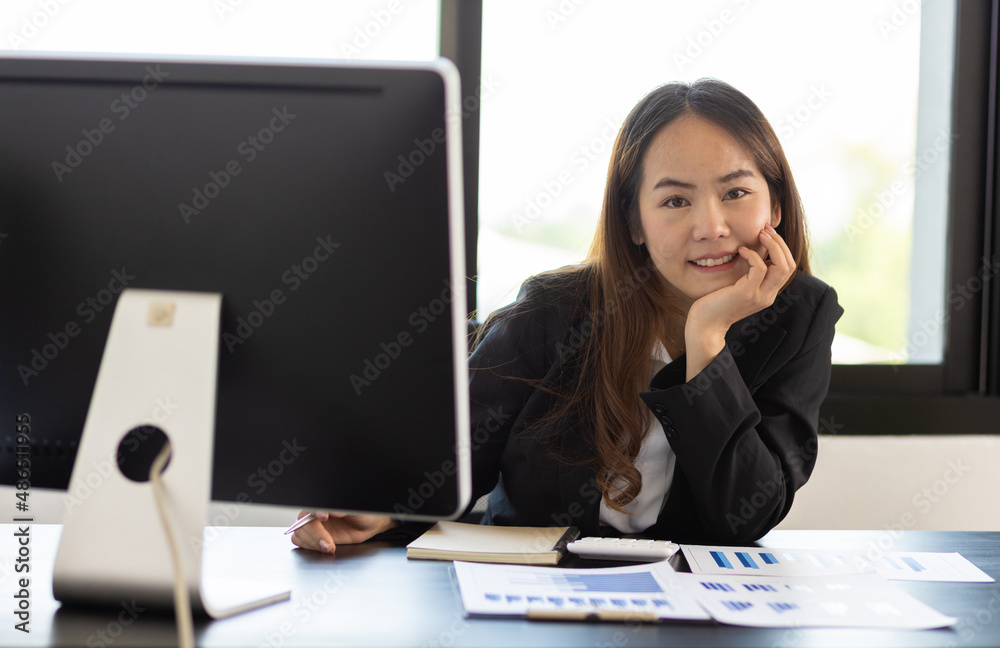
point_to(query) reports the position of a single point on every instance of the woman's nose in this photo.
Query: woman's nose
(709, 222)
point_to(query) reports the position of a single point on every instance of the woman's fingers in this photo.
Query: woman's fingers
(780, 253)
(754, 291)
(782, 263)
(314, 535)
(752, 280)
(330, 529)
(766, 277)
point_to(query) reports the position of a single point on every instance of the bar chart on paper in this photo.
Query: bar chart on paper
(926, 566)
(851, 600)
(894, 565)
(648, 590)
(769, 562)
(574, 582)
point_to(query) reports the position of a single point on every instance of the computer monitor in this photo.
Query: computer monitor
(321, 201)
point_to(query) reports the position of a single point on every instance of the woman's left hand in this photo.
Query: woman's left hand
(711, 316)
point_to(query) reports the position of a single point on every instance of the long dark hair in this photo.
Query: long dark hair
(628, 299)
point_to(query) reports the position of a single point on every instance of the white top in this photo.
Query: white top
(656, 461)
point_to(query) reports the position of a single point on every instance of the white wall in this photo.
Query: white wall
(909, 482)
(912, 482)
(49, 507)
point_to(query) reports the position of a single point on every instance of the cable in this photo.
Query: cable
(182, 603)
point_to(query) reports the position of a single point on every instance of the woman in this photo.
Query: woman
(671, 384)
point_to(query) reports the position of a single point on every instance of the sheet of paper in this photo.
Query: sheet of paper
(928, 566)
(651, 589)
(895, 565)
(851, 600)
(754, 561)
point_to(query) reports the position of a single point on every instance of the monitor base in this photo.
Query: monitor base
(157, 382)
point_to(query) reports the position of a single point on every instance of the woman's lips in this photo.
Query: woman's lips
(708, 262)
(715, 264)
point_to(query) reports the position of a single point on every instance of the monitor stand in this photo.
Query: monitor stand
(157, 381)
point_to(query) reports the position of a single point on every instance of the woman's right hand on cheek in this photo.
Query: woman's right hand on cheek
(710, 317)
(330, 529)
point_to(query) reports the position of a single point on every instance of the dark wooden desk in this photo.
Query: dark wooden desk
(372, 595)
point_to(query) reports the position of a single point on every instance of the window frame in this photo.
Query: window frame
(959, 396)
(962, 394)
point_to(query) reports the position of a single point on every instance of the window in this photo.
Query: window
(366, 29)
(887, 110)
(861, 118)
(934, 364)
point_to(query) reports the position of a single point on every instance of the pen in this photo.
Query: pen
(603, 615)
(301, 522)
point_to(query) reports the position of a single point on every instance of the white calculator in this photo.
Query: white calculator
(637, 549)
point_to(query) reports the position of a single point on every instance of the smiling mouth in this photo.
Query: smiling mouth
(708, 263)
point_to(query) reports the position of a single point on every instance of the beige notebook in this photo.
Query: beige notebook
(494, 544)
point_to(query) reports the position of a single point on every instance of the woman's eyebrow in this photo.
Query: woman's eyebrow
(729, 177)
(671, 182)
(740, 173)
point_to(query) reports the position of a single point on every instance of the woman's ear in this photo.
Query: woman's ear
(776, 215)
(635, 229)
(634, 225)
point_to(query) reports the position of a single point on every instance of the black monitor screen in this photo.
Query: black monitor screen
(314, 198)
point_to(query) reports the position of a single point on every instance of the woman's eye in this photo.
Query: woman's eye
(674, 201)
(735, 193)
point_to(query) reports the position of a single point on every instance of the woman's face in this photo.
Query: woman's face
(700, 197)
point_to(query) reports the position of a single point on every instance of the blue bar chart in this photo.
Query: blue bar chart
(641, 582)
(651, 591)
(851, 600)
(894, 565)
(721, 560)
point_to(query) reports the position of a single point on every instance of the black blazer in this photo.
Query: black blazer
(744, 430)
